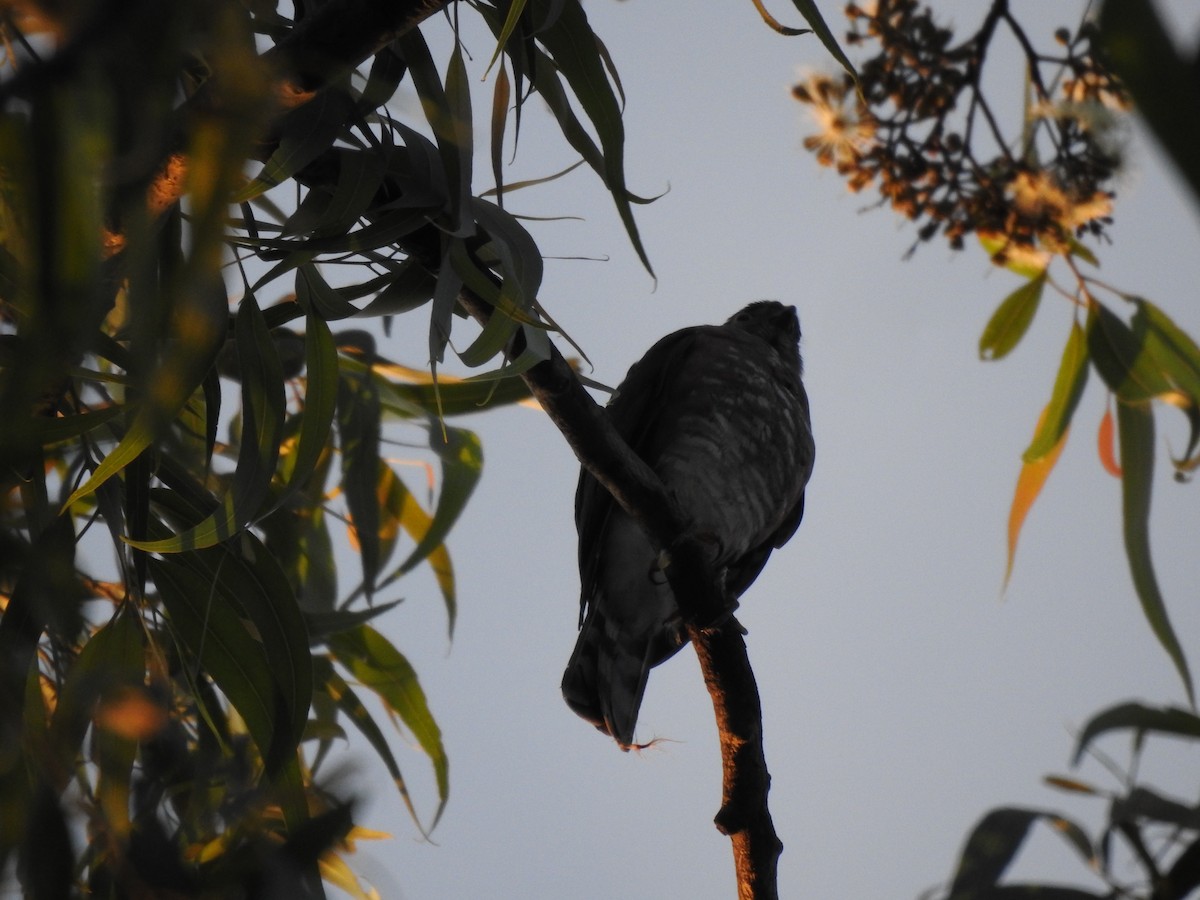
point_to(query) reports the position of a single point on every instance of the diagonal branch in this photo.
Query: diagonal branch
(744, 815)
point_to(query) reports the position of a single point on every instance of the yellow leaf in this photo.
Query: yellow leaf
(1029, 484)
(335, 871)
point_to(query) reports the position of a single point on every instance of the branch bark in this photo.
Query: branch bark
(744, 815)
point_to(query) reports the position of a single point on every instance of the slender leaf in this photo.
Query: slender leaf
(372, 659)
(775, 25)
(1030, 482)
(515, 9)
(305, 132)
(448, 110)
(402, 507)
(253, 583)
(520, 260)
(1142, 804)
(52, 431)
(1178, 357)
(260, 658)
(445, 299)
(320, 403)
(1135, 428)
(358, 419)
(992, 846)
(1139, 719)
(812, 15)
(461, 454)
(323, 624)
(501, 96)
(1106, 444)
(347, 701)
(263, 410)
(360, 174)
(1011, 319)
(1121, 358)
(314, 293)
(1068, 389)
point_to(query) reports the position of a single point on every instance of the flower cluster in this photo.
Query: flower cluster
(920, 129)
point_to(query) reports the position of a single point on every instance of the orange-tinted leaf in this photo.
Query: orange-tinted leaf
(1106, 445)
(1071, 785)
(1029, 484)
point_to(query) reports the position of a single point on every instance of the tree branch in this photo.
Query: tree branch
(716, 635)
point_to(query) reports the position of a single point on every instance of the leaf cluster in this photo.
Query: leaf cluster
(179, 188)
(1145, 830)
(925, 132)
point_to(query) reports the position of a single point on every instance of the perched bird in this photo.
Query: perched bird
(719, 412)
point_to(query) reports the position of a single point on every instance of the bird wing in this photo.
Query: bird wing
(633, 413)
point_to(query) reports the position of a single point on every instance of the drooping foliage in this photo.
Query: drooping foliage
(922, 125)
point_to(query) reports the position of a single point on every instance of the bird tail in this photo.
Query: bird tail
(606, 676)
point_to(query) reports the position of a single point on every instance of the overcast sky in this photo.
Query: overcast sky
(902, 695)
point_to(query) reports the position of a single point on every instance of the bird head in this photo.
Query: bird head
(775, 323)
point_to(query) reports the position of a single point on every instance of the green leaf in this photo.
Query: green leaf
(993, 844)
(510, 22)
(52, 431)
(408, 286)
(520, 260)
(372, 659)
(360, 173)
(1139, 719)
(448, 110)
(1145, 805)
(387, 71)
(214, 632)
(1135, 427)
(314, 294)
(404, 509)
(445, 300)
(1068, 389)
(323, 624)
(812, 15)
(263, 411)
(1178, 358)
(1171, 348)
(347, 701)
(415, 397)
(462, 465)
(305, 133)
(244, 602)
(320, 403)
(196, 333)
(501, 96)
(1011, 319)
(574, 52)
(1121, 358)
(358, 419)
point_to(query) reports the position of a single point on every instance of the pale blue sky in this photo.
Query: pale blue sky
(902, 696)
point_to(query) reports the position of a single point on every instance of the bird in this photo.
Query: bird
(719, 412)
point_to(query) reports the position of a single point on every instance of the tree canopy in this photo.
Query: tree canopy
(193, 199)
